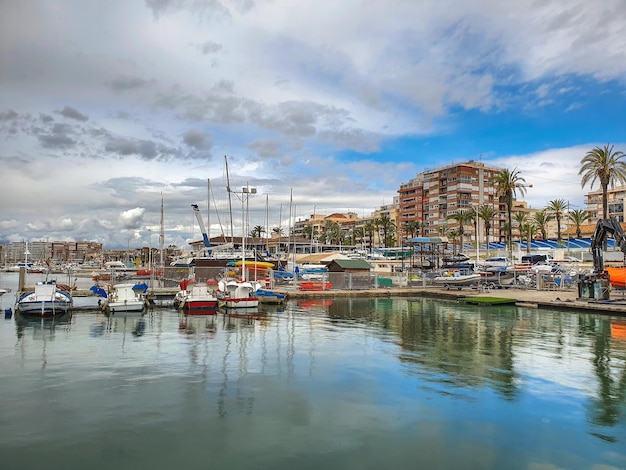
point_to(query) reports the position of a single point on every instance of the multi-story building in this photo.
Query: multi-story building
(615, 197)
(434, 195)
(56, 251)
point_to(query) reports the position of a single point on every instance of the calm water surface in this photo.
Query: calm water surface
(343, 383)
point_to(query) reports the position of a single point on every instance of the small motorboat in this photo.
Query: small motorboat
(45, 299)
(314, 285)
(126, 299)
(457, 280)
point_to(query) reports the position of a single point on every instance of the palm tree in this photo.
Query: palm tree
(369, 230)
(257, 231)
(487, 213)
(557, 208)
(413, 228)
(507, 183)
(387, 226)
(579, 217)
(605, 165)
(453, 234)
(540, 220)
(530, 230)
(462, 218)
(520, 219)
(279, 232)
(359, 234)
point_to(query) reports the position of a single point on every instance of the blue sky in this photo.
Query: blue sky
(322, 106)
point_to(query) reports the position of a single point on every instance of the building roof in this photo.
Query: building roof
(352, 264)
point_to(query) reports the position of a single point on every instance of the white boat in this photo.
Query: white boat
(238, 294)
(126, 298)
(198, 299)
(44, 300)
(457, 280)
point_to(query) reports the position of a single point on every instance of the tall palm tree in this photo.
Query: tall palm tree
(606, 166)
(540, 220)
(579, 217)
(412, 228)
(507, 184)
(487, 213)
(453, 234)
(387, 226)
(462, 218)
(369, 230)
(257, 231)
(530, 230)
(557, 208)
(520, 219)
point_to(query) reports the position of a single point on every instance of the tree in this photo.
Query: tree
(520, 218)
(557, 208)
(540, 220)
(257, 231)
(579, 217)
(387, 226)
(487, 213)
(331, 232)
(279, 232)
(413, 228)
(462, 218)
(530, 230)
(507, 184)
(606, 166)
(369, 230)
(453, 234)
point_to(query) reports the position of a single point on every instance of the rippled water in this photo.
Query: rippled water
(342, 383)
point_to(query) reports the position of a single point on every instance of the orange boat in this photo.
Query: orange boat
(315, 285)
(617, 276)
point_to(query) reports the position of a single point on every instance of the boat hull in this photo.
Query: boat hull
(44, 308)
(244, 302)
(134, 306)
(200, 307)
(315, 285)
(457, 281)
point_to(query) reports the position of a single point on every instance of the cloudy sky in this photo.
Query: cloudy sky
(105, 106)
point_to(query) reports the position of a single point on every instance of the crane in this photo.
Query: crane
(205, 237)
(604, 228)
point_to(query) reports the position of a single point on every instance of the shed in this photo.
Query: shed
(349, 266)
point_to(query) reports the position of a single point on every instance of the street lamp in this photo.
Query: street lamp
(245, 197)
(312, 231)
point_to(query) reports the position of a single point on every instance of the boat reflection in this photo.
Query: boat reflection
(41, 326)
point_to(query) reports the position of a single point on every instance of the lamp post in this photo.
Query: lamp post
(312, 231)
(245, 197)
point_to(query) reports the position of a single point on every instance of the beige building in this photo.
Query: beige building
(434, 195)
(615, 196)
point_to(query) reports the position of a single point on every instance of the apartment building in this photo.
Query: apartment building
(615, 196)
(434, 195)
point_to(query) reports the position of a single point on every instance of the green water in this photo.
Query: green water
(346, 384)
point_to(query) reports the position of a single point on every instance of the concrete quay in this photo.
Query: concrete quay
(553, 299)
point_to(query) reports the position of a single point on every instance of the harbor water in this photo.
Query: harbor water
(318, 383)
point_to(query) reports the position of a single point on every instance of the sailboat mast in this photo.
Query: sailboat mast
(230, 204)
(208, 208)
(161, 237)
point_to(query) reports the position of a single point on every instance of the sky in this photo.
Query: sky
(110, 110)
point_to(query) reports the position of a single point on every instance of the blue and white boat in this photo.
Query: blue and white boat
(44, 300)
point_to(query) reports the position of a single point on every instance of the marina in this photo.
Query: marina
(341, 382)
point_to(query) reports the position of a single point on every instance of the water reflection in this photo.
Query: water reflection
(347, 383)
(456, 346)
(42, 328)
